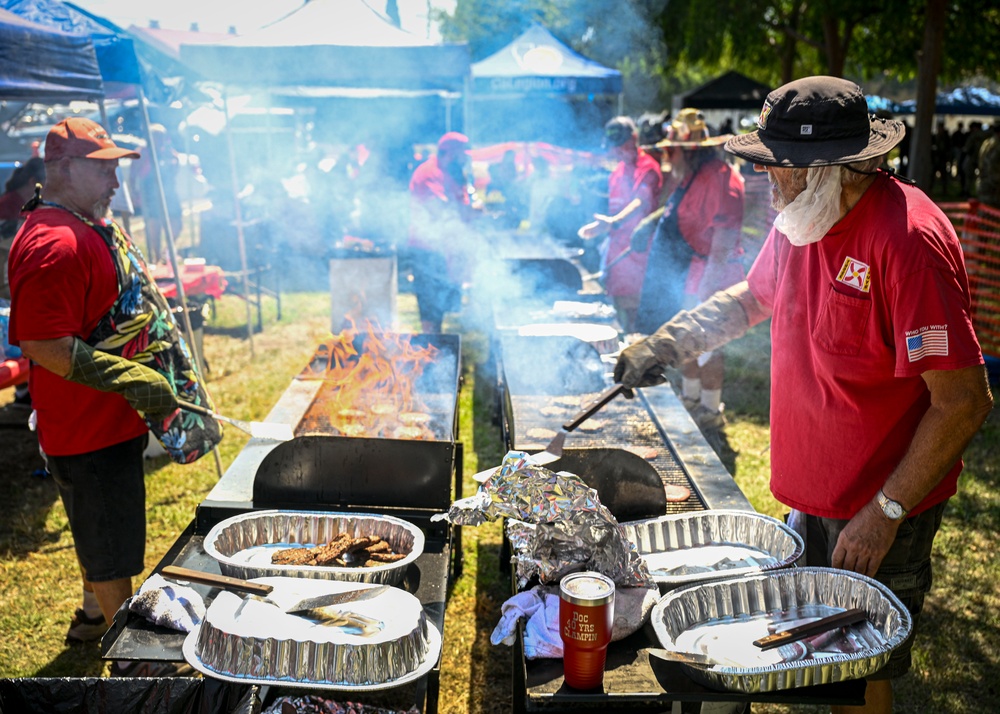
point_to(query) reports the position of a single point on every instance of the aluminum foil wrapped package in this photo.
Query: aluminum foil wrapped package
(563, 527)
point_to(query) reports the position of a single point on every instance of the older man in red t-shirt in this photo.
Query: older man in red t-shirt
(877, 379)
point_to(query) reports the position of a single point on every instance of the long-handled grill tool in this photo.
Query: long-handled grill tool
(256, 429)
(599, 275)
(288, 600)
(553, 451)
(823, 624)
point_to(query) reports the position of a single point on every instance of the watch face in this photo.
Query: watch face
(892, 509)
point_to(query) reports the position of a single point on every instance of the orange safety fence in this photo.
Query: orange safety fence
(978, 228)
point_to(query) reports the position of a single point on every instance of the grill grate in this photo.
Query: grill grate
(625, 423)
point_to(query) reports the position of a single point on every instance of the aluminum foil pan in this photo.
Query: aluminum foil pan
(247, 640)
(721, 619)
(707, 545)
(243, 545)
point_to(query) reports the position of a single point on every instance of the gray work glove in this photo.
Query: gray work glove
(712, 324)
(642, 234)
(146, 390)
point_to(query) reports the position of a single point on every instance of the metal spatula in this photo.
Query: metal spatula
(285, 599)
(256, 429)
(553, 451)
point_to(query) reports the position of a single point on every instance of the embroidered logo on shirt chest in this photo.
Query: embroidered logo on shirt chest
(856, 274)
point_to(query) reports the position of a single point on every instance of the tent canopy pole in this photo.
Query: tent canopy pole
(238, 215)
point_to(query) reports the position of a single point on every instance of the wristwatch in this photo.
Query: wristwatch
(893, 510)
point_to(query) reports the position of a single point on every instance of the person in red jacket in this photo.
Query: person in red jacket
(633, 193)
(695, 250)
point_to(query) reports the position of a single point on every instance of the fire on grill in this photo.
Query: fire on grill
(369, 386)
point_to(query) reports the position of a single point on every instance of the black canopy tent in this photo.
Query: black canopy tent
(731, 90)
(551, 77)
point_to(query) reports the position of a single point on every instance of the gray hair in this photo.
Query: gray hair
(857, 171)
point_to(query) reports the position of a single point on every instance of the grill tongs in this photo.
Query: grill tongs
(823, 624)
(554, 450)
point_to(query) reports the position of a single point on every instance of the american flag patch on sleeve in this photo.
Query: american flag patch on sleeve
(926, 343)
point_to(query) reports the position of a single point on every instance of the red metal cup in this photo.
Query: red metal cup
(586, 613)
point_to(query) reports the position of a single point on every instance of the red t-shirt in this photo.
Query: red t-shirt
(62, 282)
(644, 183)
(435, 198)
(856, 319)
(713, 203)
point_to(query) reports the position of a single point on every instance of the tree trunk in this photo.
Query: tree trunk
(928, 66)
(833, 47)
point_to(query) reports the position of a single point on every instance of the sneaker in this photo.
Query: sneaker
(147, 668)
(708, 419)
(85, 629)
(689, 403)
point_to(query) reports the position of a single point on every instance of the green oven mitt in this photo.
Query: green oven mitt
(146, 390)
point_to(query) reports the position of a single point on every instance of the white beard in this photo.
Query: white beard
(815, 210)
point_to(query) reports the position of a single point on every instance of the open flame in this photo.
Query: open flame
(370, 378)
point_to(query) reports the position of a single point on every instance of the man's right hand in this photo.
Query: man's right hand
(639, 366)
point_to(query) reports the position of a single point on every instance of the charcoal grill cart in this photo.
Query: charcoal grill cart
(321, 470)
(657, 424)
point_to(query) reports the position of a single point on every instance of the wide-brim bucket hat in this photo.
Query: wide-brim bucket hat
(688, 130)
(816, 121)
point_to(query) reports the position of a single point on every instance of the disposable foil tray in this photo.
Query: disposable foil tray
(692, 547)
(722, 618)
(243, 545)
(250, 641)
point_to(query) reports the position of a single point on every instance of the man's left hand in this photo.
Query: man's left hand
(864, 541)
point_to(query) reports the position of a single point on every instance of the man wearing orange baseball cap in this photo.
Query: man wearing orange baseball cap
(108, 362)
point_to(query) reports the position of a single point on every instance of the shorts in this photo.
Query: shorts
(905, 570)
(104, 493)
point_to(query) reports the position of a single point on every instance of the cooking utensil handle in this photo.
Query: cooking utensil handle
(823, 624)
(594, 406)
(223, 581)
(197, 409)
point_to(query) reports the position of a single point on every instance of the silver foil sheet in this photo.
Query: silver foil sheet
(243, 545)
(691, 547)
(572, 529)
(250, 641)
(722, 618)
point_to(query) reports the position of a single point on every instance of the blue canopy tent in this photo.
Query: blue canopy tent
(38, 63)
(565, 91)
(973, 101)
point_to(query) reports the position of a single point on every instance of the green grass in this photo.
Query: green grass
(957, 654)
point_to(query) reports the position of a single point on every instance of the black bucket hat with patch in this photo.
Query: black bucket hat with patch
(816, 121)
